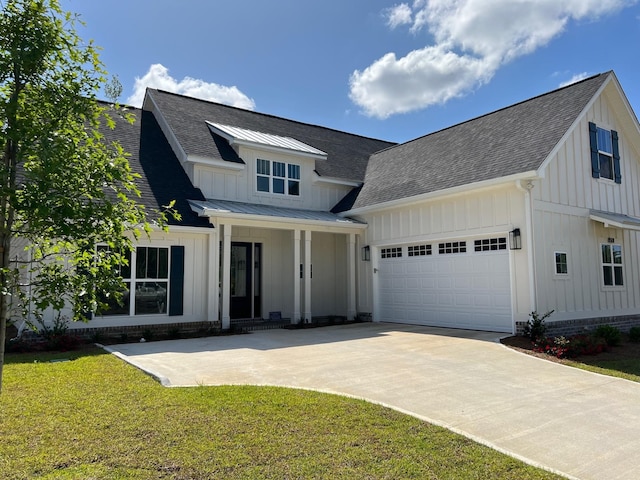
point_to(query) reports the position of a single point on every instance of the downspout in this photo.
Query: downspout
(525, 186)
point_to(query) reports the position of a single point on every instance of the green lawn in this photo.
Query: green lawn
(95, 417)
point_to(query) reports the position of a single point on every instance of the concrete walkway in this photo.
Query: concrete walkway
(576, 423)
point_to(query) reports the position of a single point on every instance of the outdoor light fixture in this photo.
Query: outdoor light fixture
(515, 240)
(366, 253)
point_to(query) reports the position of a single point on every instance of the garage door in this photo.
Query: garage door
(462, 284)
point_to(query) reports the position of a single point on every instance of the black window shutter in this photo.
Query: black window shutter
(593, 141)
(176, 281)
(616, 156)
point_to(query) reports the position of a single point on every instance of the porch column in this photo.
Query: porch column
(213, 266)
(295, 318)
(226, 276)
(351, 275)
(307, 275)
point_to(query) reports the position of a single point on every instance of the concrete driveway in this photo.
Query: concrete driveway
(576, 423)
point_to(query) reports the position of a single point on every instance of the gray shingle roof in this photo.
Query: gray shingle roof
(513, 140)
(162, 178)
(347, 153)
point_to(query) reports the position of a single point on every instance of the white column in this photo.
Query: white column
(307, 275)
(351, 276)
(213, 293)
(226, 277)
(295, 318)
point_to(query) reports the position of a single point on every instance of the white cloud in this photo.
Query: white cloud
(158, 77)
(575, 79)
(473, 39)
(398, 15)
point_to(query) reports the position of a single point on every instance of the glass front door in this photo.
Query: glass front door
(245, 280)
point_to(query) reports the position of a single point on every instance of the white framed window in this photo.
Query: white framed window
(611, 258)
(452, 247)
(419, 250)
(147, 276)
(277, 177)
(605, 153)
(490, 244)
(391, 252)
(561, 263)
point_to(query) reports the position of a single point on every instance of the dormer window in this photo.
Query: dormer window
(605, 155)
(277, 177)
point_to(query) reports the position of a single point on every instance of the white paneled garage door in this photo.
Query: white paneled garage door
(462, 284)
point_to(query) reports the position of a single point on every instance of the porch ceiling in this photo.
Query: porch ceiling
(252, 211)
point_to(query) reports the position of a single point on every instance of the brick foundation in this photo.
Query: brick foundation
(584, 325)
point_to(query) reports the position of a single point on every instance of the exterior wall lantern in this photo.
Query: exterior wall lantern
(366, 253)
(515, 239)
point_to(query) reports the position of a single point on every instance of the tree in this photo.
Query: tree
(63, 190)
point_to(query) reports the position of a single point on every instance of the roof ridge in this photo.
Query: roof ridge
(271, 116)
(464, 122)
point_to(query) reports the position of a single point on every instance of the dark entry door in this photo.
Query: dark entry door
(245, 280)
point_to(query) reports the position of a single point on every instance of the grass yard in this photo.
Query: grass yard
(95, 417)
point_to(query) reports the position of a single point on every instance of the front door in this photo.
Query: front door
(245, 280)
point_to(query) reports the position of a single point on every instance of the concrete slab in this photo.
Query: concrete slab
(573, 422)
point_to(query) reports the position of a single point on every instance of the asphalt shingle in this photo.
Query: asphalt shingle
(347, 154)
(509, 141)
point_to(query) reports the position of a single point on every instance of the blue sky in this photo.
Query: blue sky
(383, 69)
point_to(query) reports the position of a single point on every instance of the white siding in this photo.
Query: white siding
(490, 212)
(562, 200)
(240, 186)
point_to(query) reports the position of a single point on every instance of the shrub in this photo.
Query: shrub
(634, 334)
(62, 343)
(577, 345)
(535, 327)
(610, 334)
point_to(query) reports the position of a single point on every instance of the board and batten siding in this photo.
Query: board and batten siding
(194, 287)
(328, 258)
(561, 202)
(240, 185)
(479, 214)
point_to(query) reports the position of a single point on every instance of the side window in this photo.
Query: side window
(562, 267)
(605, 153)
(611, 258)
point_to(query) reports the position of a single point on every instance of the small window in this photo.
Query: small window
(605, 153)
(452, 247)
(418, 250)
(392, 252)
(490, 244)
(562, 268)
(612, 274)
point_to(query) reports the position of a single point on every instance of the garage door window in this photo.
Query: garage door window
(452, 247)
(418, 250)
(490, 244)
(392, 252)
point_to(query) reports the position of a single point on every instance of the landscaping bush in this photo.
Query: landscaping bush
(610, 334)
(634, 334)
(575, 346)
(535, 327)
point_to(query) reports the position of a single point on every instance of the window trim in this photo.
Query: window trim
(289, 176)
(596, 152)
(556, 264)
(133, 279)
(612, 264)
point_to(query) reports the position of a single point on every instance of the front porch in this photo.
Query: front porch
(269, 264)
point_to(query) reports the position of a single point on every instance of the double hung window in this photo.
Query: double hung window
(605, 153)
(612, 265)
